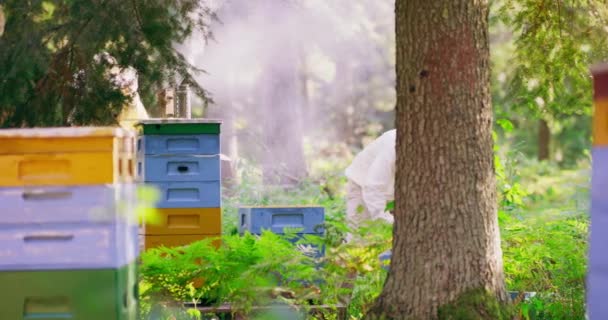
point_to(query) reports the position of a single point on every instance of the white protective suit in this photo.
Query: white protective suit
(134, 111)
(126, 80)
(371, 181)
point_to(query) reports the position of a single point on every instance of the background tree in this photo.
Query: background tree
(446, 242)
(48, 74)
(334, 86)
(1, 21)
(546, 80)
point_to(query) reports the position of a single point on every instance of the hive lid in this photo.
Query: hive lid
(281, 206)
(60, 139)
(62, 132)
(178, 126)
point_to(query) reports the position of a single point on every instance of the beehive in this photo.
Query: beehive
(181, 158)
(101, 294)
(155, 241)
(597, 279)
(309, 219)
(186, 221)
(68, 235)
(62, 156)
(280, 219)
(67, 246)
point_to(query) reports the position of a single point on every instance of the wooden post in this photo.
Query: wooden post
(166, 99)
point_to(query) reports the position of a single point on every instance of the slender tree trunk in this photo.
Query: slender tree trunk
(446, 240)
(227, 139)
(307, 109)
(283, 160)
(544, 140)
(1, 21)
(344, 98)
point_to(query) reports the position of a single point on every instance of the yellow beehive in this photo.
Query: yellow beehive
(151, 241)
(600, 122)
(186, 221)
(63, 156)
(600, 103)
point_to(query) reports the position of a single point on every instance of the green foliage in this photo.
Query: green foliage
(260, 270)
(541, 53)
(47, 68)
(390, 206)
(510, 191)
(555, 42)
(241, 271)
(543, 219)
(250, 270)
(548, 257)
(544, 240)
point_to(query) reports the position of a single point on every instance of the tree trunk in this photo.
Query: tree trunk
(1, 20)
(544, 140)
(283, 160)
(227, 140)
(446, 241)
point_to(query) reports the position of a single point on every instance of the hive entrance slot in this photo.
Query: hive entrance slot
(182, 169)
(46, 195)
(183, 221)
(47, 307)
(48, 237)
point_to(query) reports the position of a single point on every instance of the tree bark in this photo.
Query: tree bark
(283, 161)
(544, 140)
(227, 140)
(2, 22)
(446, 240)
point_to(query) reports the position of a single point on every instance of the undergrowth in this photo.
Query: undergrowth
(544, 224)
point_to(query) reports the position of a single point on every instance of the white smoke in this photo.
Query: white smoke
(343, 50)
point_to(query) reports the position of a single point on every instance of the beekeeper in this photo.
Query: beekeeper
(126, 80)
(134, 110)
(371, 181)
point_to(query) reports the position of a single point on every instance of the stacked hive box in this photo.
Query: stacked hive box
(181, 158)
(68, 242)
(307, 219)
(597, 279)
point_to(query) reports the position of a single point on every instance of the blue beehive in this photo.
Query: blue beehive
(189, 194)
(202, 144)
(181, 158)
(68, 204)
(69, 227)
(67, 246)
(308, 219)
(179, 168)
(276, 219)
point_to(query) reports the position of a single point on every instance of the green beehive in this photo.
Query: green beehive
(178, 126)
(106, 294)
